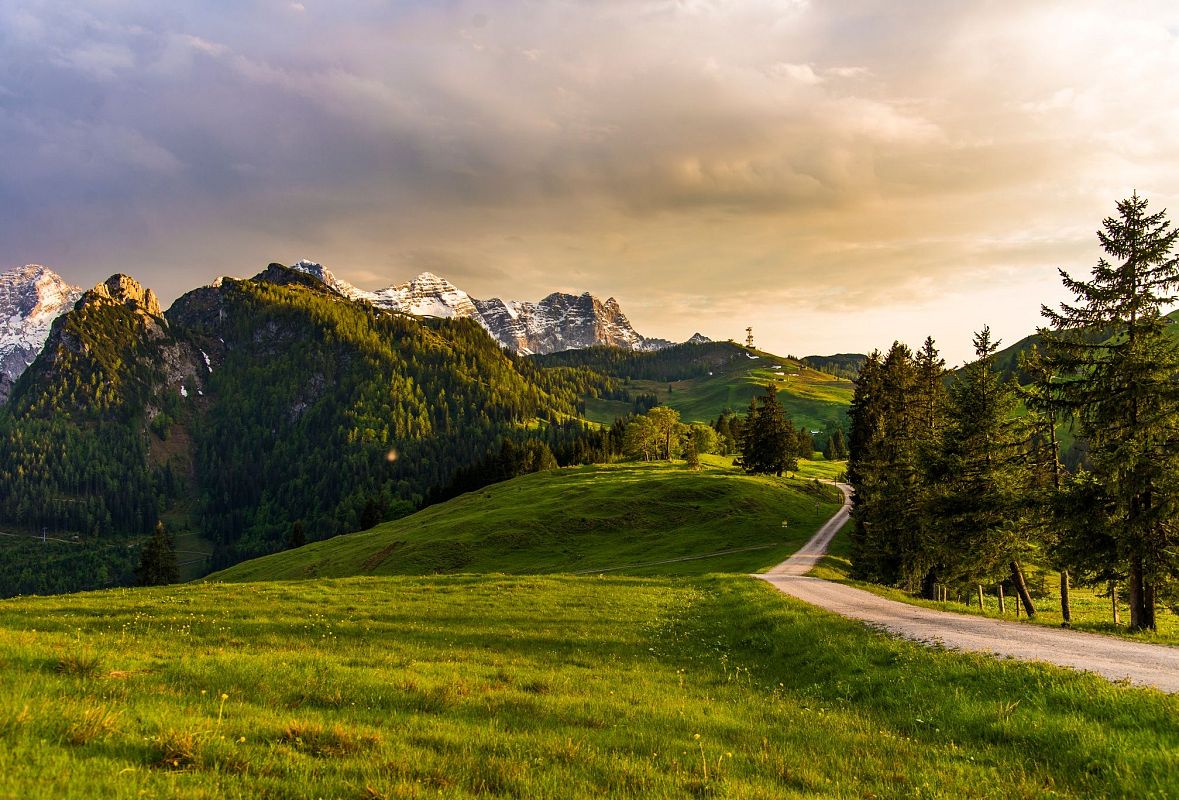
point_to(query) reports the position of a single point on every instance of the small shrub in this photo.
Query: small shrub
(93, 723)
(176, 750)
(81, 664)
(333, 742)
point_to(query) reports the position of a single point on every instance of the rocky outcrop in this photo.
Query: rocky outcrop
(125, 290)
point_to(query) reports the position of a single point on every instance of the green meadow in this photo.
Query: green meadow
(682, 681)
(810, 397)
(616, 517)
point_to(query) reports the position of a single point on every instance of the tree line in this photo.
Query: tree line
(959, 480)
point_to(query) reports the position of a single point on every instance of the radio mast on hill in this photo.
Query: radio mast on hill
(749, 338)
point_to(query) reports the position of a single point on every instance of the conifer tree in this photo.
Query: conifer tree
(157, 563)
(978, 508)
(806, 444)
(296, 538)
(838, 446)
(768, 443)
(1122, 389)
(931, 388)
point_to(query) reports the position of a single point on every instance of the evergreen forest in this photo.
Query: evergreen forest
(959, 478)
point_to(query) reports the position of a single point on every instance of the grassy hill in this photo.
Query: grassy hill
(812, 398)
(578, 519)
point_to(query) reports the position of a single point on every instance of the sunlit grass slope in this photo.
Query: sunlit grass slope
(579, 519)
(538, 687)
(812, 398)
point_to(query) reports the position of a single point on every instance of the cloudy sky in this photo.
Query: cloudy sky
(835, 174)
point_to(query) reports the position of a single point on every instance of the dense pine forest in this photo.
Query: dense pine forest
(256, 414)
(959, 478)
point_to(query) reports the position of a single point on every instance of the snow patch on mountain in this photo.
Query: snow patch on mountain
(558, 322)
(31, 298)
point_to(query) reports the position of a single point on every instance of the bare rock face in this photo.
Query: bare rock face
(31, 298)
(127, 291)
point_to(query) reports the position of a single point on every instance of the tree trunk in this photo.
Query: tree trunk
(981, 607)
(1002, 605)
(1065, 610)
(1113, 596)
(1021, 588)
(1141, 598)
(929, 586)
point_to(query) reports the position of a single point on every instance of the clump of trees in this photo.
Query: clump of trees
(764, 440)
(659, 435)
(955, 487)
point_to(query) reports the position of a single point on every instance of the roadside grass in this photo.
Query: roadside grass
(580, 519)
(540, 687)
(1091, 611)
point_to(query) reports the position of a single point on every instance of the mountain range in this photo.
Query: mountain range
(558, 322)
(32, 297)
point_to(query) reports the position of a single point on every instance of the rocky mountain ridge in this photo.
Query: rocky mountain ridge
(33, 296)
(558, 322)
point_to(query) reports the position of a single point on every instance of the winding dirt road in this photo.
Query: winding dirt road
(1115, 659)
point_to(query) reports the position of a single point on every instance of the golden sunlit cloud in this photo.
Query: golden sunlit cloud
(833, 174)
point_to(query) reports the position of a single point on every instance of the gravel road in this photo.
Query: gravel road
(1112, 658)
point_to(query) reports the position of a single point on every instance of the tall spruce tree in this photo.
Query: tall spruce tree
(157, 562)
(1046, 474)
(865, 467)
(886, 469)
(769, 443)
(979, 506)
(1123, 391)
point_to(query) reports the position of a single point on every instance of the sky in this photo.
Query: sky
(836, 175)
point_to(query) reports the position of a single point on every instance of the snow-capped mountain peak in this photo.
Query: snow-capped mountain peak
(31, 298)
(560, 321)
(324, 274)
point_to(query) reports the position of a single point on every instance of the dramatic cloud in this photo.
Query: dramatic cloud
(834, 174)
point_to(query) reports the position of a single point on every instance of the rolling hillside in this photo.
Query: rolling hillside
(578, 519)
(702, 380)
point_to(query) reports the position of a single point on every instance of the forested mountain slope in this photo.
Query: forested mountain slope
(250, 406)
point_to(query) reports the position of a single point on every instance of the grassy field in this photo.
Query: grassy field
(810, 397)
(677, 683)
(581, 519)
(547, 687)
(1090, 610)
